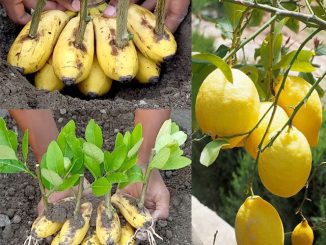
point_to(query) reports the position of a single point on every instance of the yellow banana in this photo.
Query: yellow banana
(118, 64)
(148, 71)
(30, 55)
(56, 240)
(138, 218)
(46, 79)
(141, 23)
(91, 240)
(108, 231)
(97, 83)
(127, 233)
(42, 227)
(74, 230)
(73, 64)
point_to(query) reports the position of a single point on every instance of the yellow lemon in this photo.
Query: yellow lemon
(258, 223)
(284, 167)
(309, 118)
(224, 109)
(302, 234)
(279, 119)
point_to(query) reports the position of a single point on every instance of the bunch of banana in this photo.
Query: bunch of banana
(56, 59)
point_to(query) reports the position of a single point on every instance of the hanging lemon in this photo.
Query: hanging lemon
(302, 234)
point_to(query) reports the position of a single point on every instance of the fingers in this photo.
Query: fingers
(149, 4)
(162, 206)
(173, 21)
(176, 12)
(110, 11)
(69, 5)
(16, 12)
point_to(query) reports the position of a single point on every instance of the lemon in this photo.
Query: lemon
(258, 223)
(284, 167)
(309, 118)
(302, 234)
(224, 108)
(279, 119)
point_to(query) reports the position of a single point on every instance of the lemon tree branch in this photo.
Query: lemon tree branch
(306, 18)
(160, 17)
(36, 18)
(122, 18)
(82, 23)
(42, 189)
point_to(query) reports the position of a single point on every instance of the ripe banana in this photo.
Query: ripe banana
(30, 55)
(118, 64)
(73, 64)
(97, 83)
(148, 71)
(141, 23)
(42, 227)
(56, 240)
(108, 231)
(74, 230)
(138, 218)
(91, 240)
(46, 79)
(127, 233)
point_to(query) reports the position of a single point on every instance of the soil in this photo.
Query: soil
(20, 194)
(172, 90)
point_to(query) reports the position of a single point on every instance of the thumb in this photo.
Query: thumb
(110, 11)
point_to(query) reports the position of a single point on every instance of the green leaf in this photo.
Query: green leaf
(6, 152)
(7, 137)
(176, 163)
(118, 155)
(135, 174)
(52, 177)
(118, 140)
(137, 134)
(93, 151)
(301, 64)
(77, 166)
(25, 145)
(233, 12)
(165, 141)
(160, 158)
(215, 60)
(69, 182)
(256, 17)
(115, 178)
(180, 137)
(174, 128)
(127, 139)
(164, 130)
(101, 186)
(128, 164)
(93, 166)
(211, 151)
(134, 150)
(293, 24)
(54, 158)
(107, 161)
(320, 50)
(222, 50)
(8, 166)
(68, 131)
(93, 134)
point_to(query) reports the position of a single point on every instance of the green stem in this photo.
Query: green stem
(160, 11)
(79, 196)
(141, 202)
(82, 23)
(122, 20)
(309, 7)
(36, 18)
(108, 205)
(42, 189)
(251, 37)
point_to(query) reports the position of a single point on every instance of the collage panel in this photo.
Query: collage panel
(67, 146)
(258, 118)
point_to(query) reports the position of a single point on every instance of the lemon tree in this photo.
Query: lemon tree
(269, 104)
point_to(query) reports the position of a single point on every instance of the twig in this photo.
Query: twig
(122, 18)
(309, 7)
(306, 18)
(40, 183)
(82, 23)
(160, 17)
(108, 206)
(79, 196)
(36, 18)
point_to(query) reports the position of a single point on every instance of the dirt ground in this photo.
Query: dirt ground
(20, 194)
(172, 90)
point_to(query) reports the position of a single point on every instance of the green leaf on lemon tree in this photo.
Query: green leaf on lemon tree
(93, 166)
(176, 162)
(7, 137)
(135, 174)
(52, 177)
(101, 186)
(54, 158)
(6, 152)
(93, 151)
(127, 139)
(115, 178)
(69, 182)
(233, 12)
(10, 166)
(25, 145)
(93, 133)
(137, 134)
(301, 64)
(118, 155)
(210, 152)
(118, 140)
(134, 150)
(160, 158)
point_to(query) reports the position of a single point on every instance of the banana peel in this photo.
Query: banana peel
(148, 71)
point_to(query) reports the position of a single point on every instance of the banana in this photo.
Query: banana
(141, 23)
(42, 227)
(108, 231)
(118, 64)
(138, 218)
(74, 230)
(127, 233)
(29, 55)
(97, 83)
(56, 240)
(91, 240)
(73, 64)
(148, 71)
(46, 79)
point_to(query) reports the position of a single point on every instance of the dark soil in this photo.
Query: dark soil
(20, 194)
(172, 90)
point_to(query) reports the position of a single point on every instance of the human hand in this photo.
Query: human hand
(176, 11)
(157, 199)
(15, 9)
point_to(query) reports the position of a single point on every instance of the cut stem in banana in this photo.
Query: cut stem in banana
(71, 63)
(148, 71)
